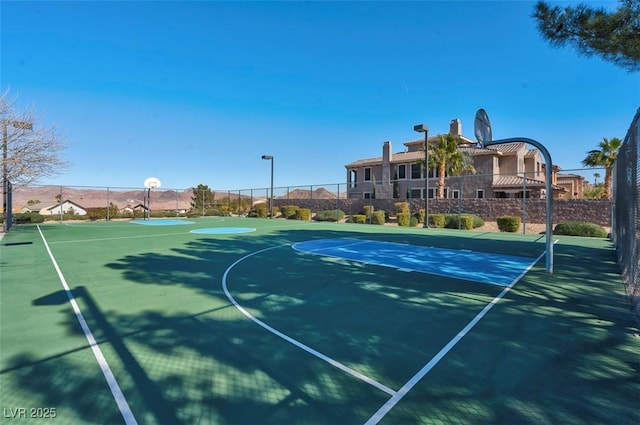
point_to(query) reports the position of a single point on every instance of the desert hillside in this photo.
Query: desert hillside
(46, 196)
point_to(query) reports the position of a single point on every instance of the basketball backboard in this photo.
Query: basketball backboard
(482, 128)
(152, 183)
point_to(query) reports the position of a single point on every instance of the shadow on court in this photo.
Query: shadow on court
(556, 349)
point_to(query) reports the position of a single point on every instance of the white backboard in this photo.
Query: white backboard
(152, 183)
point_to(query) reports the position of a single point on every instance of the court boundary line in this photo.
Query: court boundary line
(399, 395)
(291, 340)
(116, 391)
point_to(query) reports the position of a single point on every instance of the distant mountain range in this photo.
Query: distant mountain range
(160, 199)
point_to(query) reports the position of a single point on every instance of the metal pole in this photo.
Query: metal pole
(549, 195)
(5, 124)
(61, 216)
(426, 179)
(524, 204)
(271, 199)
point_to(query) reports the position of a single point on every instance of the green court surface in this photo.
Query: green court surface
(255, 321)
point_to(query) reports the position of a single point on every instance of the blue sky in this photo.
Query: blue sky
(196, 92)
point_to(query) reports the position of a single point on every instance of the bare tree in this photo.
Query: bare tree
(29, 151)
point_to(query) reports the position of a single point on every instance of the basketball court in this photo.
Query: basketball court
(257, 321)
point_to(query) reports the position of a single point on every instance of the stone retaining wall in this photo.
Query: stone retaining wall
(532, 210)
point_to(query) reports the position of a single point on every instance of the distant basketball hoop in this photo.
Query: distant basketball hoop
(151, 183)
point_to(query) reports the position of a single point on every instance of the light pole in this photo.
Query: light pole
(25, 125)
(421, 128)
(270, 158)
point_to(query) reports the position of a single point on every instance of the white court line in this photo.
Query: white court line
(118, 396)
(434, 361)
(291, 340)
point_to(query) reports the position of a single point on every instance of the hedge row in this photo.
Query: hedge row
(329, 215)
(580, 228)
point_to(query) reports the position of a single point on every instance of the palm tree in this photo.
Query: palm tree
(604, 157)
(448, 159)
(596, 176)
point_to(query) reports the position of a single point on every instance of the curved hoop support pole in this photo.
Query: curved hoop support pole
(549, 198)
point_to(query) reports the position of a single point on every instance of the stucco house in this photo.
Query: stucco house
(67, 207)
(509, 170)
(133, 209)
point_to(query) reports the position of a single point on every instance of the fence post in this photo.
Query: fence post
(524, 204)
(60, 202)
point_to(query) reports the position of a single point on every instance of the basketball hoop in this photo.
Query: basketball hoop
(152, 183)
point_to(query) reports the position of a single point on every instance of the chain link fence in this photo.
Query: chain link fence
(577, 196)
(626, 212)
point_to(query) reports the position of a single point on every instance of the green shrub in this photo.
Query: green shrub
(580, 228)
(26, 218)
(303, 214)
(508, 223)
(260, 210)
(436, 220)
(368, 210)
(466, 222)
(404, 219)
(358, 218)
(378, 217)
(289, 211)
(413, 221)
(96, 213)
(329, 215)
(420, 215)
(477, 221)
(462, 221)
(402, 208)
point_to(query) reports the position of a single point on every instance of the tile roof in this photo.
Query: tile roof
(517, 181)
(399, 157)
(508, 148)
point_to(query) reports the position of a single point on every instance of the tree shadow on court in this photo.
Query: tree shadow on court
(559, 349)
(544, 353)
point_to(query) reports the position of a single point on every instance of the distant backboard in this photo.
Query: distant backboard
(152, 183)
(482, 127)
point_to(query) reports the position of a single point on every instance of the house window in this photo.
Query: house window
(501, 195)
(480, 193)
(368, 195)
(432, 193)
(416, 171)
(416, 193)
(367, 174)
(456, 194)
(353, 178)
(402, 171)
